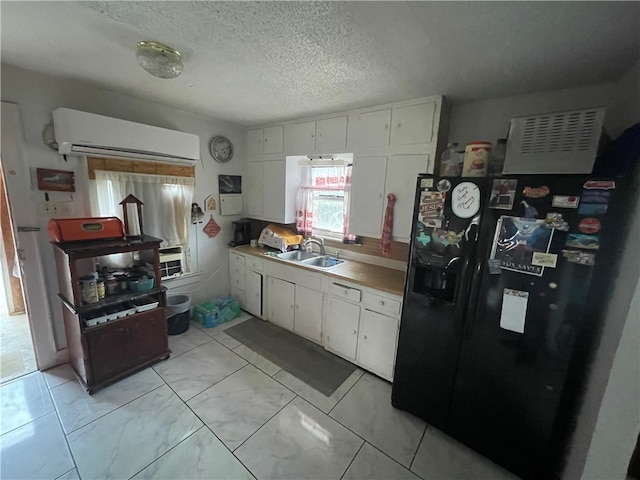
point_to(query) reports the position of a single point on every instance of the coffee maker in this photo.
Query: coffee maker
(241, 232)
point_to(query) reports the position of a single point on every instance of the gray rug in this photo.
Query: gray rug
(303, 359)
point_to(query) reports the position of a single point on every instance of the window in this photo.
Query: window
(323, 201)
(167, 201)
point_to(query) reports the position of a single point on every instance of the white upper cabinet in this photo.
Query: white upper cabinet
(370, 129)
(274, 139)
(331, 135)
(253, 189)
(413, 124)
(264, 141)
(300, 138)
(367, 195)
(271, 190)
(274, 188)
(402, 171)
(254, 144)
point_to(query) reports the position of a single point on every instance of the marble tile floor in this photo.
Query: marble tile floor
(217, 410)
(17, 357)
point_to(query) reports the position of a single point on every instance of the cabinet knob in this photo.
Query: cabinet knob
(386, 127)
(297, 307)
(291, 306)
(364, 336)
(381, 302)
(399, 125)
(354, 332)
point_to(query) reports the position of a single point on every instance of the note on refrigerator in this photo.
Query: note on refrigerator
(514, 310)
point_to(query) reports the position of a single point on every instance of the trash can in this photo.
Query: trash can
(178, 314)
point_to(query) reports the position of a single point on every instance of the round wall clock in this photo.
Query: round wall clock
(221, 149)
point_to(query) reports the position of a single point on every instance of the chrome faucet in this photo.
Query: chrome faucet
(317, 241)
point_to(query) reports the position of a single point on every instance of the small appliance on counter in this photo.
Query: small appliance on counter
(279, 237)
(241, 232)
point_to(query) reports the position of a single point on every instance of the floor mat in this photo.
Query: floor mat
(303, 359)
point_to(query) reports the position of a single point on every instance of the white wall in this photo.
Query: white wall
(37, 95)
(489, 119)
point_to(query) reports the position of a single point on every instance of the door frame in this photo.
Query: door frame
(17, 183)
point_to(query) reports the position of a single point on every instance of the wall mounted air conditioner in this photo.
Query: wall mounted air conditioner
(82, 133)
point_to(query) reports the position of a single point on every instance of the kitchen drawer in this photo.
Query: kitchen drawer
(235, 259)
(380, 304)
(237, 278)
(345, 292)
(253, 263)
(308, 280)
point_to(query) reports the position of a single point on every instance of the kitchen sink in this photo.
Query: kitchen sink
(297, 255)
(323, 262)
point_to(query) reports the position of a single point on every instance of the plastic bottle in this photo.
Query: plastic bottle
(496, 160)
(449, 161)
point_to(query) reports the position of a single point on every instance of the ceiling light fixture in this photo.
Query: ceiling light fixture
(159, 60)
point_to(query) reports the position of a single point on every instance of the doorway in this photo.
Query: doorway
(17, 356)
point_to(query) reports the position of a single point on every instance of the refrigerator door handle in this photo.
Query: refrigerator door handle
(474, 222)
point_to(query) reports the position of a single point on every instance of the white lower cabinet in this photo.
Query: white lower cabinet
(281, 299)
(246, 282)
(377, 338)
(308, 315)
(357, 323)
(341, 328)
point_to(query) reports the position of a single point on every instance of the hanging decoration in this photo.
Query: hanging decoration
(210, 203)
(211, 228)
(196, 213)
(385, 241)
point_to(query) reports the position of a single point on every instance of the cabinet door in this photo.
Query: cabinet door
(413, 124)
(367, 196)
(253, 189)
(402, 172)
(377, 339)
(254, 144)
(253, 290)
(274, 190)
(371, 129)
(308, 317)
(108, 347)
(331, 135)
(273, 139)
(341, 328)
(281, 300)
(301, 138)
(147, 336)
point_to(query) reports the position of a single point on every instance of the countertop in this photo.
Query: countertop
(366, 274)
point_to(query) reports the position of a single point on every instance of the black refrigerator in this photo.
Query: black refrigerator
(500, 309)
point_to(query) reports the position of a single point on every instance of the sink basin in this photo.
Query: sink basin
(297, 255)
(323, 262)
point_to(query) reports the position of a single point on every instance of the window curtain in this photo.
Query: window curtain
(167, 201)
(323, 179)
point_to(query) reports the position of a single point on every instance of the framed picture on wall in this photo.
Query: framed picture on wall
(55, 180)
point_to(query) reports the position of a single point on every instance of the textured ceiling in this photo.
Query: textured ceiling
(255, 62)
